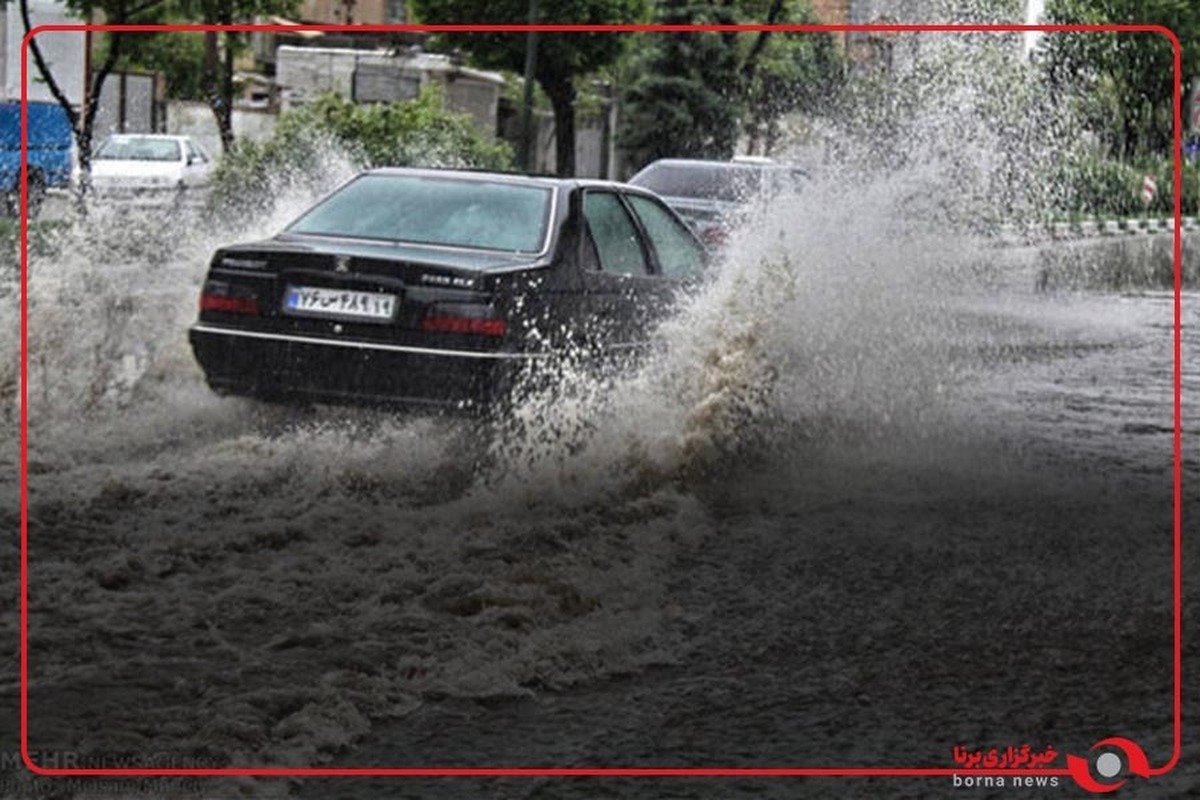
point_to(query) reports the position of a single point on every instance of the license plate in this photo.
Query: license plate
(318, 301)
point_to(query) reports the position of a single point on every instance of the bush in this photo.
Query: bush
(1164, 172)
(1095, 187)
(312, 144)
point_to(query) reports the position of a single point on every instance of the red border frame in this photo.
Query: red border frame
(598, 771)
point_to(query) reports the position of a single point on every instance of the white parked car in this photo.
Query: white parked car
(151, 167)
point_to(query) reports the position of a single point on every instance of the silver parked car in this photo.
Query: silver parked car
(710, 194)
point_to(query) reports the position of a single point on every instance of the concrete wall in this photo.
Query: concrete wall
(196, 120)
(479, 99)
(305, 73)
(129, 104)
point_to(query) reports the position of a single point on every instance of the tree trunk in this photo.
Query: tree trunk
(218, 81)
(82, 125)
(562, 99)
(212, 60)
(750, 65)
(225, 118)
(753, 135)
(84, 138)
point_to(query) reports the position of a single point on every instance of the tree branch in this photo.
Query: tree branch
(110, 63)
(144, 7)
(750, 65)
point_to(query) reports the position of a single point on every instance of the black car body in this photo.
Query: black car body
(431, 286)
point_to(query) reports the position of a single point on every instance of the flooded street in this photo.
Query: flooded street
(865, 504)
(874, 598)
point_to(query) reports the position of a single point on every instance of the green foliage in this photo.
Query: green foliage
(1098, 187)
(683, 100)
(796, 71)
(178, 56)
(690, 93)
(1125, 80)
(561, 58)
(1106, 188)
(682, 96)
(416, 133)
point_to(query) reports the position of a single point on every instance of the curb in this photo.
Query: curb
(1091, 229)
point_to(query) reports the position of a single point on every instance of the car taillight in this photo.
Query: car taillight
(445, 323)
(473, 318)
(230, 303)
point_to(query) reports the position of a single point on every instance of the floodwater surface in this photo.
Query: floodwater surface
(866, 502)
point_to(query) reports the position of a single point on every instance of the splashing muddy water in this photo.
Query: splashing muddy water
(868, 487)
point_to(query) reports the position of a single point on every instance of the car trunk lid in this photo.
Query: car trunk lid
(421, 296)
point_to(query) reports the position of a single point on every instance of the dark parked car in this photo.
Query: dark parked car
(710, 194)
(430, 286)
(49, 148)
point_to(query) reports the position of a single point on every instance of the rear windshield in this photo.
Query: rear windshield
(434, 210)
(123, 148)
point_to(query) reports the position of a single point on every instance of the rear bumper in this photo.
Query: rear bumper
(302, 367)
(147, 196)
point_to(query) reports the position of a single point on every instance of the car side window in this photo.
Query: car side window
(196, 155)
(679, 254)
(614, 234)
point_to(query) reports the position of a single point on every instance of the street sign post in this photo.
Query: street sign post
(1149, 189)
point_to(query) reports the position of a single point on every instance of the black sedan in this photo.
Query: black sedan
(431, 286)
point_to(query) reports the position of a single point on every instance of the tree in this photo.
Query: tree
(1126, 81)
(561, 58)
(217, 73)
(683, 98)
(115, 12)
(200, 66)
(782, 74)
(178, 57)
(691, 93)
(306, 146)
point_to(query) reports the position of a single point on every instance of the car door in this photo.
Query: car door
(617, 269)
(677, 254)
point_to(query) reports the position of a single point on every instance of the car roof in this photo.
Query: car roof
(171, 136)
(491, 176)
(741, 165)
